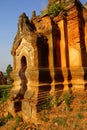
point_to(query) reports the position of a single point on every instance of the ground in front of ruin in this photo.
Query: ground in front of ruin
(70, 114)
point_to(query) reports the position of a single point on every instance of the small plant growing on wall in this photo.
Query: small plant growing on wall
(53, 9)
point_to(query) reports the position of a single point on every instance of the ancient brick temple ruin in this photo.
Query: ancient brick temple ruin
(50, 55)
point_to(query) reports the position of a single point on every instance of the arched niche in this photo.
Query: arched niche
(23, 84)
(23, 62)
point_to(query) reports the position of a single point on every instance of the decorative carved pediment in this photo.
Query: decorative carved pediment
(24, 46)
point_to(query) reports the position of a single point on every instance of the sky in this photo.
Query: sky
(10, 10)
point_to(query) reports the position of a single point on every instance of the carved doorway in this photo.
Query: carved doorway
(23, 78)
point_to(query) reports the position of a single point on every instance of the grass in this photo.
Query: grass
(53, 101)
(79, 115)
(5, 87)
(18, 120)
(67, 98)
(60, 120)
(44, 116)
(4, 92)
(58, 117)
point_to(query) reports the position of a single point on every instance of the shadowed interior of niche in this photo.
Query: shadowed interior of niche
(43, 62)
(58, 75)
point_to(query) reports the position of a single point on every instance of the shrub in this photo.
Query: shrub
(67, 98)
(54, 9)
(80, 116)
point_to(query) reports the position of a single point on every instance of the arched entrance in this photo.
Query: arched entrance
(23, 78)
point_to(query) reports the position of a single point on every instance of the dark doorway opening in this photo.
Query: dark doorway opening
(23, 78)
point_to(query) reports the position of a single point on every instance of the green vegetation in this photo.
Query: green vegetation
(3, 120)
(53, 101)
(46, 104)
(67, 98)
(80, 116)
(18, 120)
(4, 92)
(45, 119)
(8, 70)
(8, 74)
(5, 95)
(44, 116)
(56, 101)
(53, 10)
(5, 87)
(54, 117)
(60, 120)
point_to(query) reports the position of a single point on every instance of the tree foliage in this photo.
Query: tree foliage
(8, 70)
